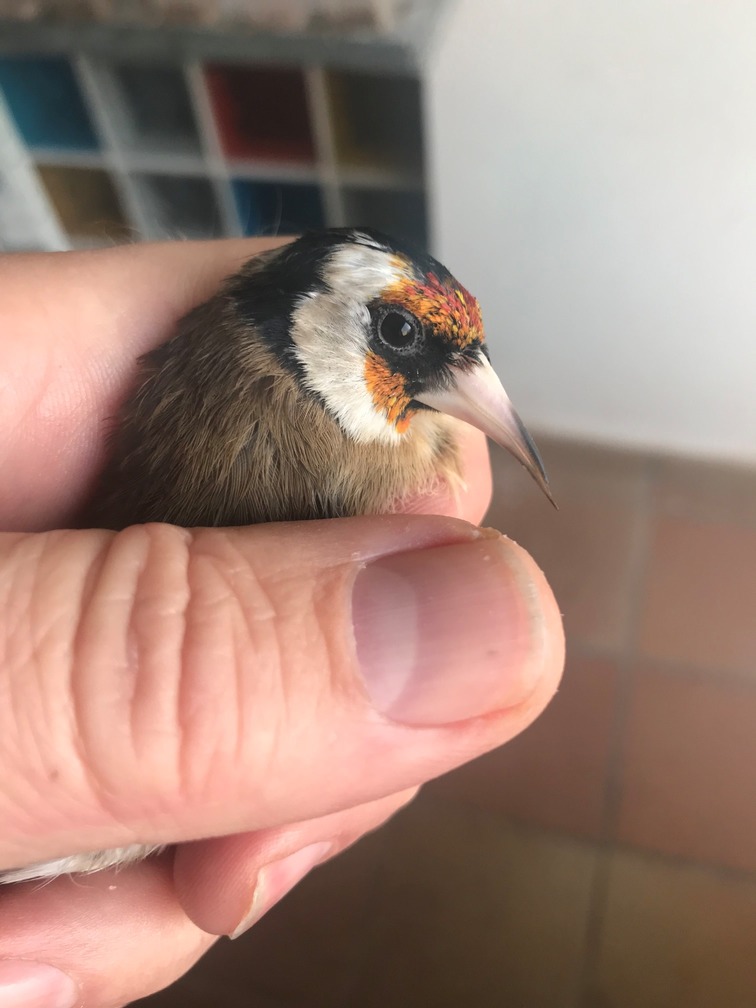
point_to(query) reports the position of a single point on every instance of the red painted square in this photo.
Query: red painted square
(261, 113)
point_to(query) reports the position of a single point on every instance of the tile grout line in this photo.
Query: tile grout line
(636, 578)
(742, 678)
(562, 835)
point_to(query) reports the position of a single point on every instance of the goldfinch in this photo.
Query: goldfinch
(318, 383)
(323, 380)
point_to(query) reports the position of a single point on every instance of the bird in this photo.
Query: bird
(325, 379)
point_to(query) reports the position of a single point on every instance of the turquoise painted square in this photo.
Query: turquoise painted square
(271, 208)
(45, 102)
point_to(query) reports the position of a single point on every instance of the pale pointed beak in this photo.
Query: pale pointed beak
(478, 397)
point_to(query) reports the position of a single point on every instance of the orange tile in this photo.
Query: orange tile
(700, 598)
(475, 912)
(689, 769)
(705, 491)
(675, 936)
(587, 549)
(555, 773)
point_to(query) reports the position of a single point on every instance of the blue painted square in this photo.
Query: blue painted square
(277, 208)
(45, 101)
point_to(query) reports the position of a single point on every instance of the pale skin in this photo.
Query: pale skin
(149, 685)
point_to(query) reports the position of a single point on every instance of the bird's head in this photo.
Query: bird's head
(378, 333)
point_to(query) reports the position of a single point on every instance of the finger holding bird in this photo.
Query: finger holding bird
(326, 378)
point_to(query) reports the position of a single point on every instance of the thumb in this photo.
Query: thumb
(161, 685)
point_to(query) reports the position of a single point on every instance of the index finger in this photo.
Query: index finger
(73, 325)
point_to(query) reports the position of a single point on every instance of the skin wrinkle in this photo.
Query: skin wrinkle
(243, 639)
(212, 619)
(15, 609)
(54, 694)
(295, 654)
(87, 594)
(90, 679)
(51, 616)
(15, 613)
(47, 633)
(134, 669)
(255, 613)
(277, 698)
(162, 783)
(118, 686)
(278, 685)
(241, 642)
(335, 652)
(33, 560)
(158, 630)
(333, 593)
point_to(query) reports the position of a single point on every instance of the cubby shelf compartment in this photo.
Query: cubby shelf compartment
(45, 101)
(156, 108)
(398, 213)
(178, 206)
(377, 122)
(137, 147)
(262, 113)
(85, 201)
(276, 208)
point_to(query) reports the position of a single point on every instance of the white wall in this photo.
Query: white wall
(594, 183)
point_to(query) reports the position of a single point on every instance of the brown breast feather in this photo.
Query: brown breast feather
(218, 432)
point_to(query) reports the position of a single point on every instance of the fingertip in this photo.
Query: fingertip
(120, 935)
(456, 632)
(217, 880)
(471, 497)
(547, 655)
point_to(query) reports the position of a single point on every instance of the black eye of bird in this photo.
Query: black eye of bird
(398, 328)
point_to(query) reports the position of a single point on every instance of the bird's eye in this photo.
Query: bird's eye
(398, 329)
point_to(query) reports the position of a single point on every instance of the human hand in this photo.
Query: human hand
(164, 685)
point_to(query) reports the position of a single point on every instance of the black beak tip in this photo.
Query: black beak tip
(550, 496)
(542, 480)
(537, 471)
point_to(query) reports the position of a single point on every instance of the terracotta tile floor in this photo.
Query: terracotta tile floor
(607, 857)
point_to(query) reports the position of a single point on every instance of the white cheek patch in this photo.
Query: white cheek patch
(330, 333)
(330, 341)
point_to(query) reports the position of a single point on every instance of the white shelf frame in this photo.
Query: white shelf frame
(125, 162)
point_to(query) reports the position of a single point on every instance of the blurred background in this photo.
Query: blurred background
(589, 171)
